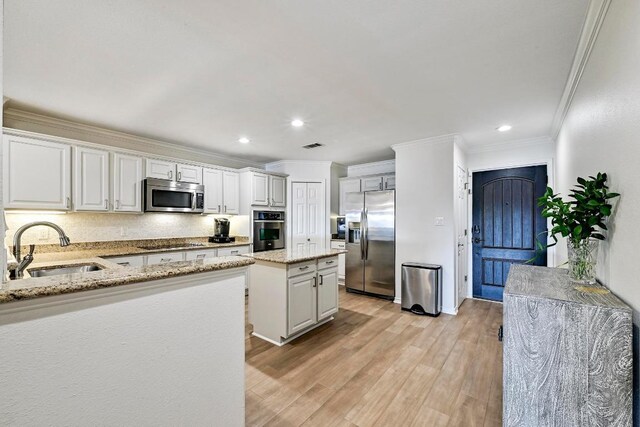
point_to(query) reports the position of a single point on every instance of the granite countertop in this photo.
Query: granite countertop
(288, 256)
(84, 250)
(112, 275)
(554, 283)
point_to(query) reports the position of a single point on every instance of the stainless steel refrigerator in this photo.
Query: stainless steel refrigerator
(371, 246)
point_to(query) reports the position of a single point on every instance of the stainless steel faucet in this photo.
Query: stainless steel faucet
(18, 271)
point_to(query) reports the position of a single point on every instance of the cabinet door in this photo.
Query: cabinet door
(259, 189)
(160, 169)
(189, 173)
(91, 183)
(278, 191)
(37, 174)
(302, 302)
(371, 184)
(327, 292)
(197, 254)
(127, 183)
(389, 182)
(347, 186)
(212, 180)
(231, 192)
(165, 257)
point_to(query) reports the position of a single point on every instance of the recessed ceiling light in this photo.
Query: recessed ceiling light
(297, 123)
(504, 128)
(244, 140)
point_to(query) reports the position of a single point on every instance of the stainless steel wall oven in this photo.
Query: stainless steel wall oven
(268, 230)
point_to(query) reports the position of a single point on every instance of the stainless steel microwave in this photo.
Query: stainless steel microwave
(162, 195)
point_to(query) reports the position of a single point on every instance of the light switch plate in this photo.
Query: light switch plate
(439, 221)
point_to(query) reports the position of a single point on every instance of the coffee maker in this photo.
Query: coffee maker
(221, 232)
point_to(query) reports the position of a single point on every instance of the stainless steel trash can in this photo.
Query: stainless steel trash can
(422, 288)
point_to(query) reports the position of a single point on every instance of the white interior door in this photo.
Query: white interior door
(307, 224)
(461, 226)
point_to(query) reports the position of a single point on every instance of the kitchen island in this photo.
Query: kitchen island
(292, 292)
(153, 345)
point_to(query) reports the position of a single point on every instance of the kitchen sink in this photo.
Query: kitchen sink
(173, 246)
(68, 269)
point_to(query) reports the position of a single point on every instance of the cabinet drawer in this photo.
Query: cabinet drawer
(338, 245)
(233, 251)
(328, 262)
(301, 268)
(164, 258)
(200, 254)
(128, 261)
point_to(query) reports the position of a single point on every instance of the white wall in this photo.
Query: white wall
(99, 227)
(425, 190)
(601, 132)
(373, 168)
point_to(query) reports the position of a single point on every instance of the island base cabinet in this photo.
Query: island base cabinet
(286, 301)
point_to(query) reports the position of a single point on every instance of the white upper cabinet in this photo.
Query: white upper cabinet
(347, 186)
(36, 174)
(212, 180)
(260, 189)
(127, 183)
(372, 183)
(221, 191)
(189, 173)
(278, 186)
(163, 169)
(230, 192)
(91, 180)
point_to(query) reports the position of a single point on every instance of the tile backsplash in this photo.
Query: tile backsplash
(99, 227)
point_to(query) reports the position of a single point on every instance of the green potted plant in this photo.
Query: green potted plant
(581, 221)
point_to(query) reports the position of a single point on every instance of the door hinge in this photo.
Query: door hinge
(465, 231)
(469, 191)
(466, 278)
(466, 185)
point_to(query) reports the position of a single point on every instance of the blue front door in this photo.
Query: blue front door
(506, 223)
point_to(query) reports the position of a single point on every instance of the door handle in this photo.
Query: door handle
(200, 256)
(117, 204)
(170, 174)
(321, 280)
(366, 234)
(477, 240)
(225, 208)
(179, 176)
(106, 203)
(165, 260)
(219, 210)
(315, 282)
(68, 202)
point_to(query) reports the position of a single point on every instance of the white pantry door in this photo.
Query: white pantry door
(461, 227)
(307, 214)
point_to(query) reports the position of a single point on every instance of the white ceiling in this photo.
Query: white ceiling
(362, 74)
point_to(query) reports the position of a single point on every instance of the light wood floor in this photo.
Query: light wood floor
(377, 365)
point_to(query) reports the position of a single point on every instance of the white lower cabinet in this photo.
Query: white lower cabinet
(335, 244)
(197, 254)
(165, 257)
(128, 261)
(236, 250)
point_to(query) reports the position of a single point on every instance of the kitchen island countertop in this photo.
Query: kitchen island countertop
(290, 256)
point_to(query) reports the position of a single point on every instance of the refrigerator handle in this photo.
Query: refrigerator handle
(366, 234)
(362, 234)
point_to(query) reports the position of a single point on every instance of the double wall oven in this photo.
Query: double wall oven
(268, 230)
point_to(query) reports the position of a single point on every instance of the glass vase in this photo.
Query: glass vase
(583, 257)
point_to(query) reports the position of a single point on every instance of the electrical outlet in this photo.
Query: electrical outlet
(43, 233)
(439, 221)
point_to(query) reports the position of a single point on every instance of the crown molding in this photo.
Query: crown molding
(299, 162)
(596, 13)
(452, 137)
(513, 144)
(132, 142)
